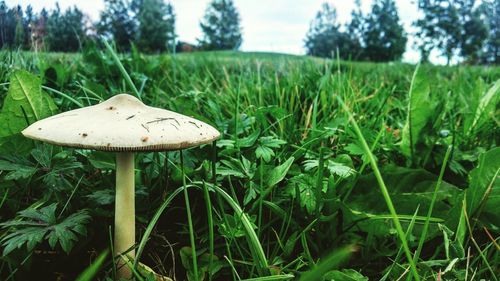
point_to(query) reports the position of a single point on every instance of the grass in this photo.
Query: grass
(323, 170)
(385, 192)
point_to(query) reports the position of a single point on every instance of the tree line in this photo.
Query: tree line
(149, 25)
(454, 28)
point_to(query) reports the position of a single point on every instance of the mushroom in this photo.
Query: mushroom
(123, 124)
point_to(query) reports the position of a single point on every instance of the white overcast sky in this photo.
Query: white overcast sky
(268, 25)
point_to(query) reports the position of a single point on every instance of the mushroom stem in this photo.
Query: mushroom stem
(124, 213)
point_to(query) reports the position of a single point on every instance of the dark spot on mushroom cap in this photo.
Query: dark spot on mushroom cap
(39, 128)
(111, 108)
(84, 135)
(144, 139)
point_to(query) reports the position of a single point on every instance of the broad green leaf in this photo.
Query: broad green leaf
(203, 263)
(232, 227)
(24, 104)
(330, 262)
(345, 275)
(409, 189)
(102, 160)
(238, 168)
(185, 253)
(34, 225)
(265, 148)
(264, 152)
(18, 168)
(453, 247)
(486, 104)
(249, 140)
(102, 197)
(484, 184)
(354, 149)
(305, 186)
(279, 172)
(250, 193)
(335, 168)
(15, 144)
(420, 112)
(43, 155)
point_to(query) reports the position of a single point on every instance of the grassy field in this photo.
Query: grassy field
(326, 170)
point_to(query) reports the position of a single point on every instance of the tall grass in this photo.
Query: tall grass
(305, 144)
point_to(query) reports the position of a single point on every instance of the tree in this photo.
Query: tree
(221, 26)
(324, 37)
(473, 30)
(355, 31)
(439, 28)
(8, 24)
(28, 23)
(65, 31)
(118, 21)
(474, 35)
(454, 27)
(19, 32)
(384, 37)
(156, 26)
(491, 12)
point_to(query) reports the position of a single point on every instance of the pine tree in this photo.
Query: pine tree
(65, 31)
(384, 38)
(8, 23)
(118, 21)
(324, 37)
(454, 27)
(156, 26)
(355, 31)
(19, 32)
(491, 11)
(474, 35)
(28, 23)
(3, 23)
(19, 35)
(221, 26)
(439, 28)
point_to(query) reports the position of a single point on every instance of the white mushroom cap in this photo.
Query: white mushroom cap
(122, 123)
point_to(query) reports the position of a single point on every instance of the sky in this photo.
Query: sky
(267, 25)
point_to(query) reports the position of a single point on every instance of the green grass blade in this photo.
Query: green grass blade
(153, 222)
(329, 263)
(122, 69)
(253, 240)
(474, 242)
(190, 222)
(423, 236)
(271, 278)
(400, 251)
(68, 97)
(210, 229)
(319, 182)
(383, 189)
(91, 271)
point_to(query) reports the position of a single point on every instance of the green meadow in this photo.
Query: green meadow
(325, 169)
